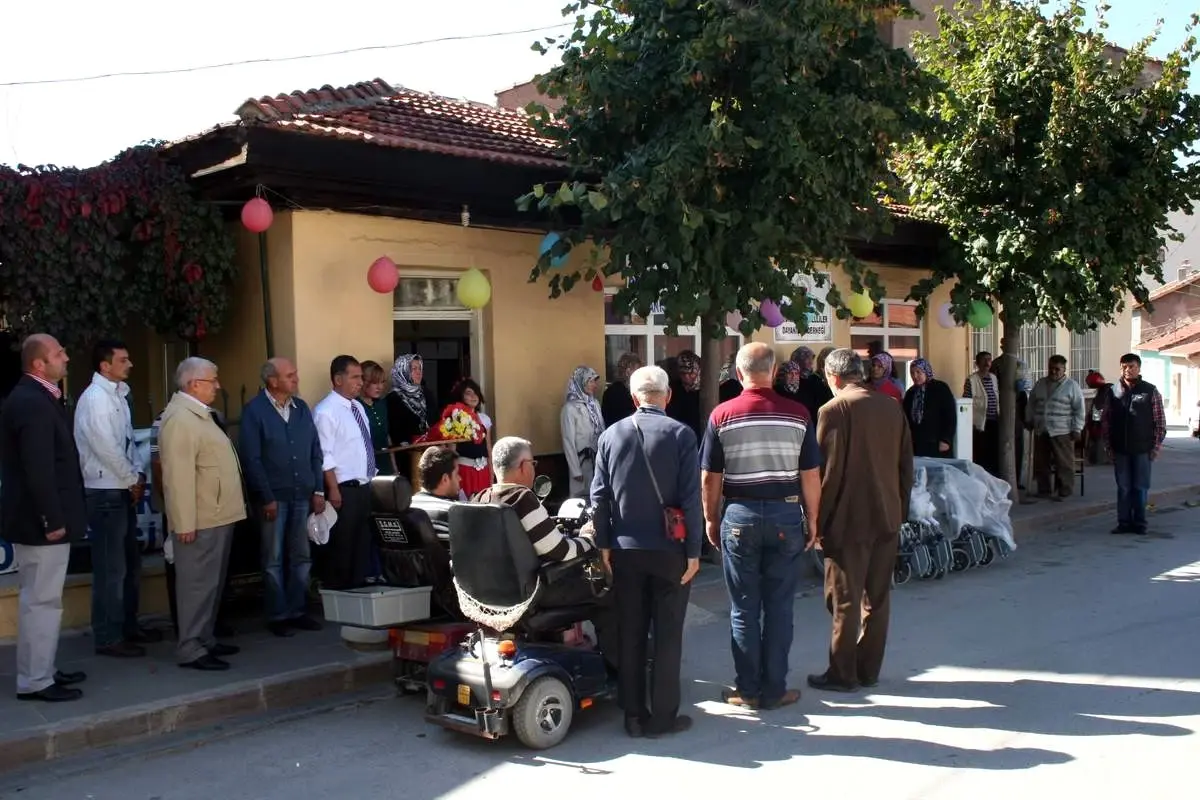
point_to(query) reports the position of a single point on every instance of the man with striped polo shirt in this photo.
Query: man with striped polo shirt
(760, 479)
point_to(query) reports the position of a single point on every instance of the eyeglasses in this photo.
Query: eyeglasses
(530, 461)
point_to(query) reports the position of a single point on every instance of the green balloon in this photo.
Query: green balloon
(981, 314)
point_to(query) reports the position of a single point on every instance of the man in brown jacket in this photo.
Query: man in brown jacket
(865, 488)
(202, 487)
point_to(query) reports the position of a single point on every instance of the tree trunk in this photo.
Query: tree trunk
(1006, 376)
(710, 368)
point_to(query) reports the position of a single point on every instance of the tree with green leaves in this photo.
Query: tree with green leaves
(719, 149)
(1053, 159)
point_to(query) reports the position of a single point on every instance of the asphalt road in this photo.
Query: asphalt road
(1072, 667)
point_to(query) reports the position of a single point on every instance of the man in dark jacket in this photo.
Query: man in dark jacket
(644, 463)
(281, 458)
(42, 510)
(1133, 428)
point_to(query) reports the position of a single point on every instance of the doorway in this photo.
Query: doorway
(444, 346)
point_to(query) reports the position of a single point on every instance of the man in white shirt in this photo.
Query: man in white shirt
(349, 466)
(114, 479)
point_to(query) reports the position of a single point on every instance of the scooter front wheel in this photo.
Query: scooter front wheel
(542, 717)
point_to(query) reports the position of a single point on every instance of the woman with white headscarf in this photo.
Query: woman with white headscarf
(582, 423)
(408, 403)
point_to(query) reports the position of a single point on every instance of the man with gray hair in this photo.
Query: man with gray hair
(514, 465)
(760, 480)
(646, 494)
(202, 489)
(281, 454)
(867, 479)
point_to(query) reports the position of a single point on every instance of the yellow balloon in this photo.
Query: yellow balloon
(473, 290)
(861, 305)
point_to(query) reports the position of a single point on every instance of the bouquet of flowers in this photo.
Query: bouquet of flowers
(460, 422)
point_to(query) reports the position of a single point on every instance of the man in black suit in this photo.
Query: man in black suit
(42, 510)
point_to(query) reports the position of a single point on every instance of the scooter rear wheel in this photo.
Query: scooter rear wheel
(542, 717)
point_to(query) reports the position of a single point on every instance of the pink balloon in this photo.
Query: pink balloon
(771, 314)
(383, 275)
(257, 215)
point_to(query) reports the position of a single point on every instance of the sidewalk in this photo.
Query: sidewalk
(1175, 478)
(127, 700)
(130, 701)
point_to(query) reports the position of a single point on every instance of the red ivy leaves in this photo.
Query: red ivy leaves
(85, 252)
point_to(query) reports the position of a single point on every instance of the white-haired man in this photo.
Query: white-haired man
(645, 464)
(202, 489)
(514, 465)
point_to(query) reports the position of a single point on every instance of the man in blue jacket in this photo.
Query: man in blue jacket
(645, 463)
(281, 459)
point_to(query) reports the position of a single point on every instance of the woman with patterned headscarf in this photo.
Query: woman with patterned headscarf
(880, 378)
(618, 403)
(798, 380)
(684, 405)
(582, 423)
(932, 413)
(409, 406)
(729, 387)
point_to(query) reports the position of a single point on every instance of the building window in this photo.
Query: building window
(1085, 355)
(1038, 343)
(984, 340)
(648, 339)
(894, 327)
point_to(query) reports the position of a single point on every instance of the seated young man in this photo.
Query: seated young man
(438, 469)
(513, 462)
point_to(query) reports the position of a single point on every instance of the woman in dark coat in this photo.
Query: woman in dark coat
(410, 409)
(932, 413)
(617, 403)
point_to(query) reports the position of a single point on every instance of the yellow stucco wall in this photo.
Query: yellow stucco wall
(530, 342)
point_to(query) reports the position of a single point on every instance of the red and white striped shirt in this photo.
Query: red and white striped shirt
(54, 391)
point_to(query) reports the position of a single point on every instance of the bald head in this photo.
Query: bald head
(756, 365)
(280, 377)
(43, 356)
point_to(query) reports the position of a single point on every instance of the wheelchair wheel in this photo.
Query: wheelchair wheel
(542, 717)
(902, 573)
(962, 560)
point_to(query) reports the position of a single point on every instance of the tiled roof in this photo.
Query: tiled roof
(379, 114)
(1172, 287)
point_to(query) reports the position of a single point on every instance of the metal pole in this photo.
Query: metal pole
(266, 291)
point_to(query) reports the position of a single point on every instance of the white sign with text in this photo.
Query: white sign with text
(820, 319)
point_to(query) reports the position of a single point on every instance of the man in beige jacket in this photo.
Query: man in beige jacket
(202, 489)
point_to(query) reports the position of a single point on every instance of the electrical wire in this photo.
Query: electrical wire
(282, 59)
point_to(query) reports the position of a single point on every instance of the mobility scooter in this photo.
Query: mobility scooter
(525, 669)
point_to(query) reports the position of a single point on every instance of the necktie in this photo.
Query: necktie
(366, 434)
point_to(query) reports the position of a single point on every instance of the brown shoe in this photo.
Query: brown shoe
(121, 650)
(790, 697)
(735, 698)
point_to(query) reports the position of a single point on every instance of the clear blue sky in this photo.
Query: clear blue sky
(84, 123)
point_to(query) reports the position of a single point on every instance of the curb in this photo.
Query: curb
(1057, 515)
(190, 712)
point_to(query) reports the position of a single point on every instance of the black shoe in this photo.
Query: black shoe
(1120, 529)
(207, 663)
(1138, 531)
(145, 636)
(69, 678)
(868, 683)
(281, 629)
(682, 723)
(52, 694)
(827, 684)
(121, 650)
(305, 623)
(220, 650)
(634, 727)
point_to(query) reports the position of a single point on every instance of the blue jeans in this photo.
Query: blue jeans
(286, 541)
(116, 565)
(1133, 489)
(762, 541)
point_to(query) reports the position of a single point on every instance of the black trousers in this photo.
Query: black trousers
(346, 560)
(571, 590)
(648, 592)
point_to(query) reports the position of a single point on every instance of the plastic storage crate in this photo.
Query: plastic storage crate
(376, 606)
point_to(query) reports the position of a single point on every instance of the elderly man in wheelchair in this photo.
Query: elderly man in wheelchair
(527, 585)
